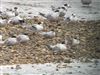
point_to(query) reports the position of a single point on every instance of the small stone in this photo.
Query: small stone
(57, 69)
(70, 72)
(13, 51)
(0, 55)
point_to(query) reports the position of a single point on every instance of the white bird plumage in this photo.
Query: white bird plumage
(62, 11)
(51, 16)
(3, 22)
(37, 27)
(63, 7)
(48, 34)
(1, 41)
(55, 13)
(65, 45)
(11, 41)
(3, 15)
(58, 47)
(34, 27)
(73, 17)
(9, 14)
(22, 38)
(16, 20)
(76, 41)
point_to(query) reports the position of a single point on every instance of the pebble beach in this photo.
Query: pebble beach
(35, 51)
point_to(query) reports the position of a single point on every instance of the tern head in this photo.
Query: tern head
(21, 21)
(73, 15)
(63, 8)
(66, 4)
(57, 10)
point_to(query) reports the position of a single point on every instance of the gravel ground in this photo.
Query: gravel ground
(36, 51)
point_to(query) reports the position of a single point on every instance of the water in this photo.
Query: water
(75, 68)
(35, 6)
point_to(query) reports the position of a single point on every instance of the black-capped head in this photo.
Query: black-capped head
(58, 7)
(39, 23)
(66, 4)
(24, 33)
(68, 18)
(73, 15)
(15, 8)
(52, 29)
(56, 10)
(63, 42)
(63, 8)
(33, 27)
(12, 34)
(75, 37)
(21, 21)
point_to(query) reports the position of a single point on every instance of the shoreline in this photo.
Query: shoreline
(52, 69)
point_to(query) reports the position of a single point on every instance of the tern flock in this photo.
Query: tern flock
(11, 16)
